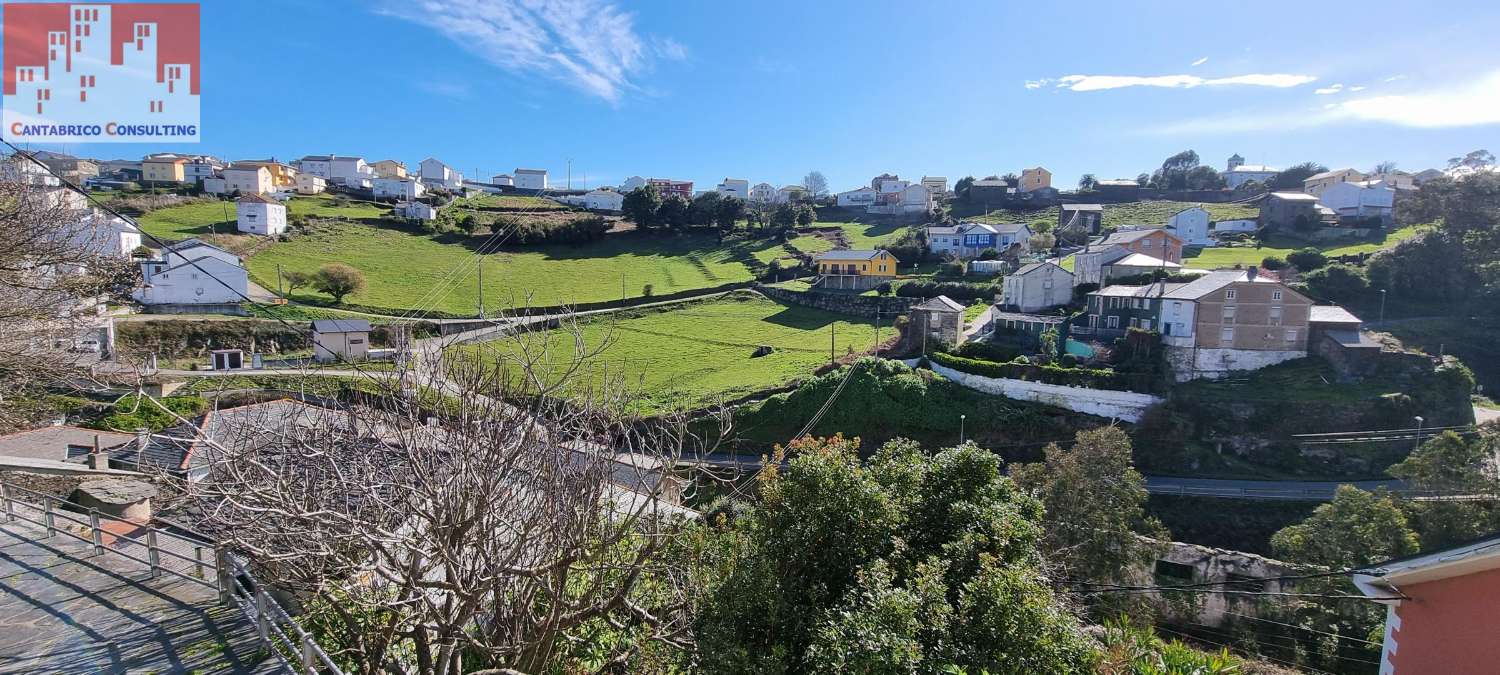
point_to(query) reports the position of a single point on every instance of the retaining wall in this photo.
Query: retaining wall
(843, 303)
(1124, 405)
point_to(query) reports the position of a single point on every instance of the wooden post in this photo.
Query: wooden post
(47, 516)
(198, 561)
(98, 534)
(10, 509)
(308, 660)
(152, 553)
(262, 624)
(223, 574)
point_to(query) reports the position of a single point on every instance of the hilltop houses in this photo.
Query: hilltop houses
(308, 184)
(734, 187)
(1286, 210)
(1037, 286)
(435, 174)
(1357, 200)
(672, 188)
(1035, 178)
(858, 198)
(503, 180)
(1317, 183)
(283, 177)
(338, 170)
(764, 193)
(389, 168)
(1191, 226)
(247, 179)
(405, 189)
(416, 210)
(531, 179)
(1159, 244)
(257, 214)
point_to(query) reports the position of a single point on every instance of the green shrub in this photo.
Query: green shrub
(132, 413)
(1307, 259)
(1019, 370)
(956, 290)
(1273, 263)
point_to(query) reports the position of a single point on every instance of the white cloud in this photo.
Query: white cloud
(457, 90)
(1467, 104)
(1103, 82)
(1037, 84)
(1360, 88)
(589, 44)
(1393, 78)
(1201, 61)
(1334, 89)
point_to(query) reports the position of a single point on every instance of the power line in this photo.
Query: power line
(1311, 630)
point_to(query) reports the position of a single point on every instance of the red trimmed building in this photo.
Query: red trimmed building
(1442, 610)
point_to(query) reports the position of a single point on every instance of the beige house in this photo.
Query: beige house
(164, 169)
(1037, 286)
(1035, 179)
(1317, 183)
(1232, 320)
(389, 168)
(341, 340)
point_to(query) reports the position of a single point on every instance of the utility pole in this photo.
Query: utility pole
(831, 358)
(481, 286)
(1382, 305)
(278, 280)
(570, 173)
(877, 332)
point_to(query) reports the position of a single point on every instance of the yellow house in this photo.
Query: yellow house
(282, 176)
(164, 170)
(1035, 179)
(389, 168)
(856, 269)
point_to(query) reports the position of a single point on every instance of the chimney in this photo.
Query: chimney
(1250, 273)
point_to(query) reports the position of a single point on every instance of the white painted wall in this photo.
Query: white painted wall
(1191, 363)
(528, 180)
(260, 218)
(1125, 405)
(197, 283)
(1191, 226)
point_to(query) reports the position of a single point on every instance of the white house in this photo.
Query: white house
(632, 183)
(18, 168)
(260, 215)
(416, 210)
(1037, 286)
(193, 273)
(308, 184)
(248, 179)
(936, 185)
(603, 200)
(337, 169)
(763, 192)
(397, 188)
(531, 179)
(734, 187)
(215, 185)
(503, 179)
(1238, 173)
(108, 235)
(1359, 199)
(966, 240)
(890, 186)
(911, 198)
(1236, 225)
(861, 197)
(437, 174)
(1191, 226)
(789, 193)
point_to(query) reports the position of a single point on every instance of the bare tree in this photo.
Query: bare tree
(60, 263)
(816, 184)
(484, 519)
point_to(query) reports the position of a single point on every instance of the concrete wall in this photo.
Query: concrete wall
(844, 303)
(1214, 565)
(1124, 405)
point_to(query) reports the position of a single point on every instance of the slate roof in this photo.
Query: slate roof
(341, 326)
(57, 442)
(253, 198)
(1158, 289)
(1214, 281)
(849, 254)
(941, 303)
(1128, 236)
(1083, 207)
(997, 315)
(1032, 267)
(1330, 314)
(1143, 260)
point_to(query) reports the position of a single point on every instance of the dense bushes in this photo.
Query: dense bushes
(988, 351)
(132, 413)
(186, 339)
(1338, 282)
(954, 289)
(1075, 377)
(580, 230)
(1307, 259)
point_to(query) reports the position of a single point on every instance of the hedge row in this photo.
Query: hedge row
(1074, 377)
(953, 289)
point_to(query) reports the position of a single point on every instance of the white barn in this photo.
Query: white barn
(260, 215)
(1191, 226)
(193, 273)
(531, 179)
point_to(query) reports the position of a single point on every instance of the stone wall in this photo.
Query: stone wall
(843, 303)
(1179, 563)
(1123, 405)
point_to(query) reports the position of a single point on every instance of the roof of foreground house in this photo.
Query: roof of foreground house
(1471, 557)
(1331, 314)
(850, 254)
(941, 303)
(341, 325)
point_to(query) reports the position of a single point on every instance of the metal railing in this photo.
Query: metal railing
(223, 571)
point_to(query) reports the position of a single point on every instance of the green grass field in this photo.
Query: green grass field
(867, 235)
(509, 202)
(1115, 215)
(1226, 256)
(191, 220)
(405, 269)
(698, 353)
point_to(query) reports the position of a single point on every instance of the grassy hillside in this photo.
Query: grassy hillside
(1223, 256)
(1471, 339)
(182, 222)
(1115, 215)
(406, 269)
(691, 355)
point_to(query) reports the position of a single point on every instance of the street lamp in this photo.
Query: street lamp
(961, 419)
(1382, 305)
(1419, 420)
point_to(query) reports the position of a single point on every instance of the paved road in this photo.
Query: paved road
(1482, 415)
(1258, 489)
(63, 610)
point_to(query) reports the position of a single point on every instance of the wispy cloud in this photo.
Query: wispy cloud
(1463, 104)
(591, 45)
(1394, 78)
(1103, 82)
(457, 90)
(1360, 88)
(1324, 91)
(1038, 84)
(1201, 61)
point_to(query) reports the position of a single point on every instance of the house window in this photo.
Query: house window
(1114, 322)
(1134, 323)
(1046, 283)
(1145, 243)
(1291, 335)
(1229, 294)
(1146, 324)
(1275, 316)
(1275, 295)
(1226, 335)
(1166, 569)
(1228, 315)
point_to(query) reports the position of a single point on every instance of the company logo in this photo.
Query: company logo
(100, 72)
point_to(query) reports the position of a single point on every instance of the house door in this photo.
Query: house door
(229, 360)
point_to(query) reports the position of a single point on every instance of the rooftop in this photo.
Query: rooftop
(1331, 314)
(57, 442)
(941, 303)
(849, 254)
(341, 325)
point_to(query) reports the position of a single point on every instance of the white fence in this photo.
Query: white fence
(1124, 405)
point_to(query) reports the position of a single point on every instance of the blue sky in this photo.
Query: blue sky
(772, 90)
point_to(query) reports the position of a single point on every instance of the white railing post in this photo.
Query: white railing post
(308, 658)
(48, 517)
(152, 553)
(262, 624)
(98, 534)
(10, 509)
(198, 561)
